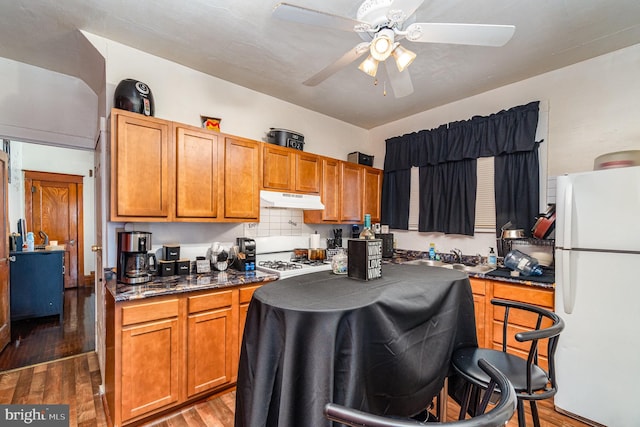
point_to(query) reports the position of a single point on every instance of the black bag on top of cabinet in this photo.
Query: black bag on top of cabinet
(133, 95)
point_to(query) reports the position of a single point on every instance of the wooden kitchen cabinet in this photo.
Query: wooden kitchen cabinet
(372, 192)
(518, 322)
(289, 170)
(478, 288)
(210, 343)
(151, 357)
(199, 169)
(141, 167)
(351, 192)
(246, 293)
(242, 176)
(329, 193)
(167, 351)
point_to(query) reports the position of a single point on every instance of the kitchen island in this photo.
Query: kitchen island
(382, 346)
(173, 341)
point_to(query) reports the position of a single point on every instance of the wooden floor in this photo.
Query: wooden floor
(45, 339)
(75, 381)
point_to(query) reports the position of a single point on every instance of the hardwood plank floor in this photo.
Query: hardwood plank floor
(75, 381)
(45, 339)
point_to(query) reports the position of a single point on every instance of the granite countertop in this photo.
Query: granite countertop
(501, 274)
(169, 285)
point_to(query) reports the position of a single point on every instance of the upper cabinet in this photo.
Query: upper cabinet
(289, 170)
(166, 171)
(141, 167)
(372, 192)
(199, 174)
(348, 191)
(242, 174)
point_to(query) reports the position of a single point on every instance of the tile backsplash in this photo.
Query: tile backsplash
(277, 222)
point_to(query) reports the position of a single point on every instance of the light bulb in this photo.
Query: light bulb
(369, 66)
(404, 57)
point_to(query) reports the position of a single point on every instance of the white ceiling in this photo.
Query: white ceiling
(239, 41)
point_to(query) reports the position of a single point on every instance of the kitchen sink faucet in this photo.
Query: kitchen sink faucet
(457, 254)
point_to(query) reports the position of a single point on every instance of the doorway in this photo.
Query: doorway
(45, 339)
(53, 211)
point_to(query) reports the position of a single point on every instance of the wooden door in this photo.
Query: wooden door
(329, 194)
(5, 319)
(198, 173)
(278, 168)
(53, 204)
(242, 175)
(141, 180)
(372, 193)
(351, 192)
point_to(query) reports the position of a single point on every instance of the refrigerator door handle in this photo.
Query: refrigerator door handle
(568, 215)
(568, 284)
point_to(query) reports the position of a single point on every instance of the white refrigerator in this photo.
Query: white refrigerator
(598, 296)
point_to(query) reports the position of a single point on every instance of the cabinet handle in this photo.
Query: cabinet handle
(96, 248)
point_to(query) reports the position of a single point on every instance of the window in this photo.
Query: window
(485, 197)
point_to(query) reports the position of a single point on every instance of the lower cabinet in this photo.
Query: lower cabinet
(209, 343)
(151, 357)
(165, 351)
(478, 288)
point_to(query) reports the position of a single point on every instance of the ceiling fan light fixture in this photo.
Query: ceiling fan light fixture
(403, 57)
(382, 45)
(369, 66)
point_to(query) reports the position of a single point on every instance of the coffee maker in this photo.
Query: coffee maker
(247, 254)
(135, 264)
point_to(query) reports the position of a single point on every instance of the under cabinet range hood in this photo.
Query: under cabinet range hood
(275, 199)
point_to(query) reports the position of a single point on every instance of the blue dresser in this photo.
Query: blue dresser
(37, 284)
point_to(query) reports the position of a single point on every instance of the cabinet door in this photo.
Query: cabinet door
(150, 363)
(246, 294)
(351, 193)
(308, 174)
(372, 192)
(209, 347)
(479, 300)
(242, 174)
(278, 169)
(198, 160)
(140, 167)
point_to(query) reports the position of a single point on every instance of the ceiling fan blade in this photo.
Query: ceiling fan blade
(400, 10)
(471, 34)
(400, 81)
(304, 15)
(345, 60)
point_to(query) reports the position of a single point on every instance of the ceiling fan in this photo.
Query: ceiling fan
(382, 24)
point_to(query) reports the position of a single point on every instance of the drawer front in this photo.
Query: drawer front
(478, 287)
(527, 294)
(246, 293)
(152, 310)
(210, 301)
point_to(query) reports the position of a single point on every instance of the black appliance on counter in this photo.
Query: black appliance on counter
(286, 138)
(135, 263)
(387, 244)
(132, 95)
(246, 254)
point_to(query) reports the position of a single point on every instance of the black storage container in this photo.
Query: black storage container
(365, 259)
(286, 138)
(166, 268)
(387, 244)
(183, 267)
(360, 158)
(171, 252)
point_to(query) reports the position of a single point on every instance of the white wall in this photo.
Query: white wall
(43, 158)
(593, 108)
(45, 106)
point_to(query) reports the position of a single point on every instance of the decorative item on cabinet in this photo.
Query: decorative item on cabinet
(210, 123)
